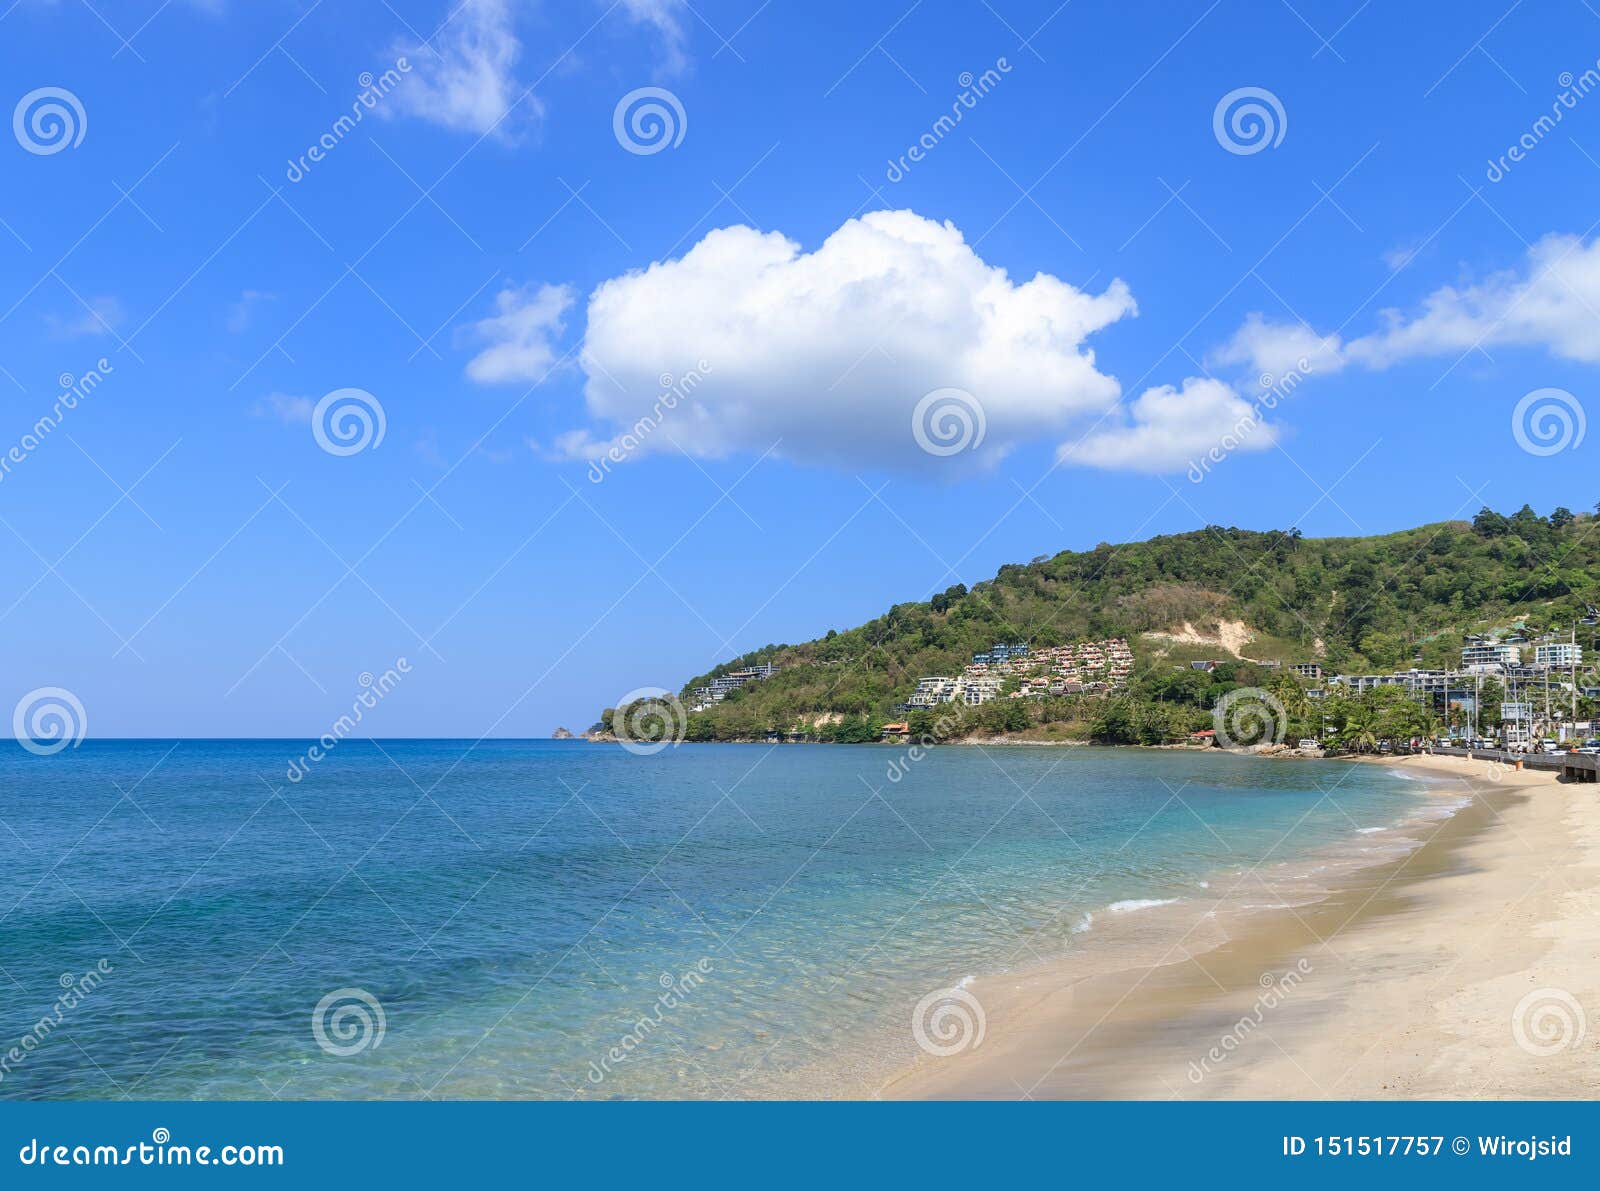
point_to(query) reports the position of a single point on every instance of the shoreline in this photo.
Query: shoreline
(1402, 981)
(1009, 742)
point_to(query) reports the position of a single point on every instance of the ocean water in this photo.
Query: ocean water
(434, 918)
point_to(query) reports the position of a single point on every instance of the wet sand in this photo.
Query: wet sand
(1459, 965)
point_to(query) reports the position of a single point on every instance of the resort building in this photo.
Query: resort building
(1559, 655)
(1489, 655)
(931, 692)
(1359, 683)
(1436, 688)
(1085, 668)
(1311, 671)
(704, 696)
(978, 691)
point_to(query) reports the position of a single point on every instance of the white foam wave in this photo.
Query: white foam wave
(1139, 903)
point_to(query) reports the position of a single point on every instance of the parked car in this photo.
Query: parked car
(1551, 746)
(1592, 747)
(1307, 743)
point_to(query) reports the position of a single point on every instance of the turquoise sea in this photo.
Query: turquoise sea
(502, 919)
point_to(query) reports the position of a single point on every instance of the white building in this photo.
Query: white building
(1490, 655)
(1369, 682)
(1559, 655)
(931, 692)
(978, 691)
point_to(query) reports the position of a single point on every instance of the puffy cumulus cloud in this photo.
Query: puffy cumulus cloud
(465, 79)
(828, 353)
(1169, 429)
(1552, 302)
(1277, 349)
(521, 337)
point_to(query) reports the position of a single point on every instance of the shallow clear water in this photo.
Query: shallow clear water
(519, 909)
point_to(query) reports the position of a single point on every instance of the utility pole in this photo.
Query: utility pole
(1547, 725)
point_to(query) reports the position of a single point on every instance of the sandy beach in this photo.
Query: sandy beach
(1459, 964)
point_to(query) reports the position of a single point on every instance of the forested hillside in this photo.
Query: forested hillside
(1358, 604)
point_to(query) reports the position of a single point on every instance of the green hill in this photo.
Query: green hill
(1357, 605)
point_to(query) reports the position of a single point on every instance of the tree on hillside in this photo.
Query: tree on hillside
(1490, 523)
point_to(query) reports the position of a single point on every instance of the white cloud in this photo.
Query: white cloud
(830, 351)
(1277, 349)
(666, 17)
(1172, 428)
(465, 79)
(292, 411)
(1552, 302)
(521, 336)
(99, 316)
(823, 356)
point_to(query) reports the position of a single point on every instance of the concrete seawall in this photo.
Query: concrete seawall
(1573, 767)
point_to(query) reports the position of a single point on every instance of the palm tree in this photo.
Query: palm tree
(1296, 704)
(1360, 725)
(1361, 738)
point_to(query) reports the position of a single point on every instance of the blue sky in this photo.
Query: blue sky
(1097, 267)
